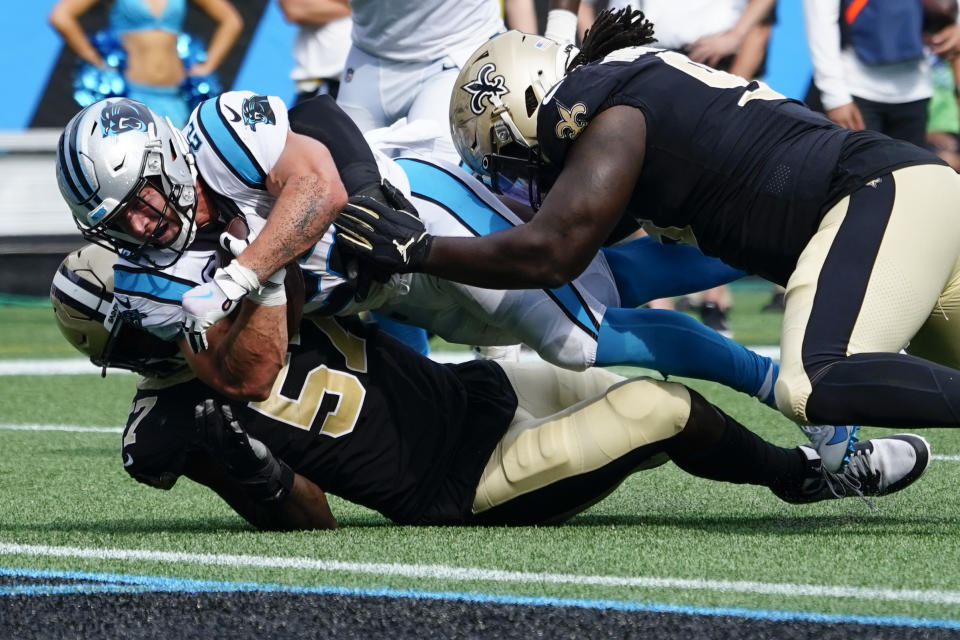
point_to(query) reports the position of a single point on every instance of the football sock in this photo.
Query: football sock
(675, 344)
(645, 270)
(413, 337)
(886, 390)
(713, 445)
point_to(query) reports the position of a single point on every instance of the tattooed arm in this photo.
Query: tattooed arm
(309, 196)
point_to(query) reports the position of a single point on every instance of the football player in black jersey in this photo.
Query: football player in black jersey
(862, 230)
(365, 417)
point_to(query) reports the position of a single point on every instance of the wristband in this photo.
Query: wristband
(239, 280)
(273, 293)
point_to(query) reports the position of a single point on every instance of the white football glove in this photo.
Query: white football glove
(234, 244)
(272, 292)
(206, 304)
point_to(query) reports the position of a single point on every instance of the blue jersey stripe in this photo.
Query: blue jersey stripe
(150, 285)
(436, 184)
(228, 146)
(433, 183)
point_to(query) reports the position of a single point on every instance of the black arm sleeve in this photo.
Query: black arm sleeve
(321, 119)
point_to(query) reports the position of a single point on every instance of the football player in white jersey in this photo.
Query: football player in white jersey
(406, 55)
(575, 326)
(131, 181)
(404, 58)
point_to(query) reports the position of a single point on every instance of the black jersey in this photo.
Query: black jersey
(358, 413)
(746, 172)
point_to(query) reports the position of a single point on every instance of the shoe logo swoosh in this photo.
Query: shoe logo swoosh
(234, 116)
(124, 302)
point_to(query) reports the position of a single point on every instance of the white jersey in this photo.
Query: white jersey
(157, 294)
(424, 30)
(237, 138)
(561, 324)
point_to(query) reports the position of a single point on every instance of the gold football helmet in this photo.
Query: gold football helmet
(84, 309)
(493, 110)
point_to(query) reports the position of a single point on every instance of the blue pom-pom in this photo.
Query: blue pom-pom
(196, 89)
(91, 84)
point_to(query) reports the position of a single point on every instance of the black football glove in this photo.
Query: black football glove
(384, 231)
(248, 460)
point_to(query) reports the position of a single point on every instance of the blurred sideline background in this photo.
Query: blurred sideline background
(36, 229)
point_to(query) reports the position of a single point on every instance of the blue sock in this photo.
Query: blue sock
(675, 344)
(413, 337)
(645, 270)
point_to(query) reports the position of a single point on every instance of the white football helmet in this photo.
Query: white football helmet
(494, 107)
(84, 309)
(107, 153)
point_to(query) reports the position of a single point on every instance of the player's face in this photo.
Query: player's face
(149, 219)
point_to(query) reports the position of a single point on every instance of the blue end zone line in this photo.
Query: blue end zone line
(107, 583)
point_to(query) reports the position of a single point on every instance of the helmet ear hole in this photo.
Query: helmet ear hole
(531, 101)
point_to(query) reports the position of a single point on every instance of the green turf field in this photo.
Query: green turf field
(663, 537)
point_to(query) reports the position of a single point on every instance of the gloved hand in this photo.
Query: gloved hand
(247, 459)
(271, 292)
(392, 239)
(207, 303)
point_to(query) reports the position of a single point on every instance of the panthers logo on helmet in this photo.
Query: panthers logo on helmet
(257, 110)
(572, 121)
(484, 87)
(124, 115)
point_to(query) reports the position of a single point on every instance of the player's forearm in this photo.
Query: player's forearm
(245, 354)
(304, 210)
(304, 508)
(253, 351)
(510, 259)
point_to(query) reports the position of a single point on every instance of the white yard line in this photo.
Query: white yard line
(59, 427)
(447, 573)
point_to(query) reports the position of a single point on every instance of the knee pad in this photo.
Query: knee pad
(583, 438)
(791, 393)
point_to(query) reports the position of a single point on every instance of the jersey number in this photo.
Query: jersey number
(336, 395)
(140, 408)
(193, 137)
(719, 79)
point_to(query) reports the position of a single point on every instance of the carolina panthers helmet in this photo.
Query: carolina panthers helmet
(107, 153)
(493, 111)
(84, 309)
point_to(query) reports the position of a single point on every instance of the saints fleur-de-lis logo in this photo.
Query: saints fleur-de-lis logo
(572, 120)
(484, 87)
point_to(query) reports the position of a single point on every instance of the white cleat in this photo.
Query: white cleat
(877, 467)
